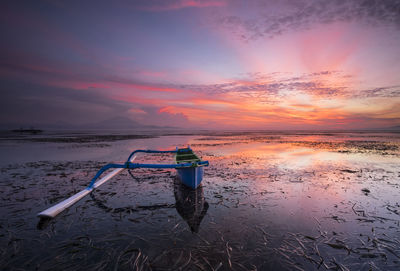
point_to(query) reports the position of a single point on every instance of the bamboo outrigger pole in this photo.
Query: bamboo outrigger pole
(58, 208)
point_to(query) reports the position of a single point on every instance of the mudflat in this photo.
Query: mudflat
(269, 200)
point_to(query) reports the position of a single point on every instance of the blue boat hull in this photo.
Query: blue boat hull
(191, 176)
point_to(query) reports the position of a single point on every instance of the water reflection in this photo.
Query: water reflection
(101, 203)
(190, 204)
(43, 223)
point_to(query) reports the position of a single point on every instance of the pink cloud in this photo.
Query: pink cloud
(153, 115)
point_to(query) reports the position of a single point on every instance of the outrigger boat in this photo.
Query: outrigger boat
(188, 165)
(190, 176)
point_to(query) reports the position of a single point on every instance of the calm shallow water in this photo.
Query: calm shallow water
(268, 201)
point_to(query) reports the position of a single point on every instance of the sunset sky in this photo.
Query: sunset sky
(212, 64)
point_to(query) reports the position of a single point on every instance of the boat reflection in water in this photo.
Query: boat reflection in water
(190, 204)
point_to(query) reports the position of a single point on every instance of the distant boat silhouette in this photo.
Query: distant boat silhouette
(190, 204)
(27, 131)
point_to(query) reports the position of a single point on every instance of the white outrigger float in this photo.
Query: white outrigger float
(188, 165)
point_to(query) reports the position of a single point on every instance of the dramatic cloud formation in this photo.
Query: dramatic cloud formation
(272, 18)
(308, 64)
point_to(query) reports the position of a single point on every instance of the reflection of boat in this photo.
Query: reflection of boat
(43, 223)
(190, 204)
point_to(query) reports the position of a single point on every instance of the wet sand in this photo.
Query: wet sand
(268, 201)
